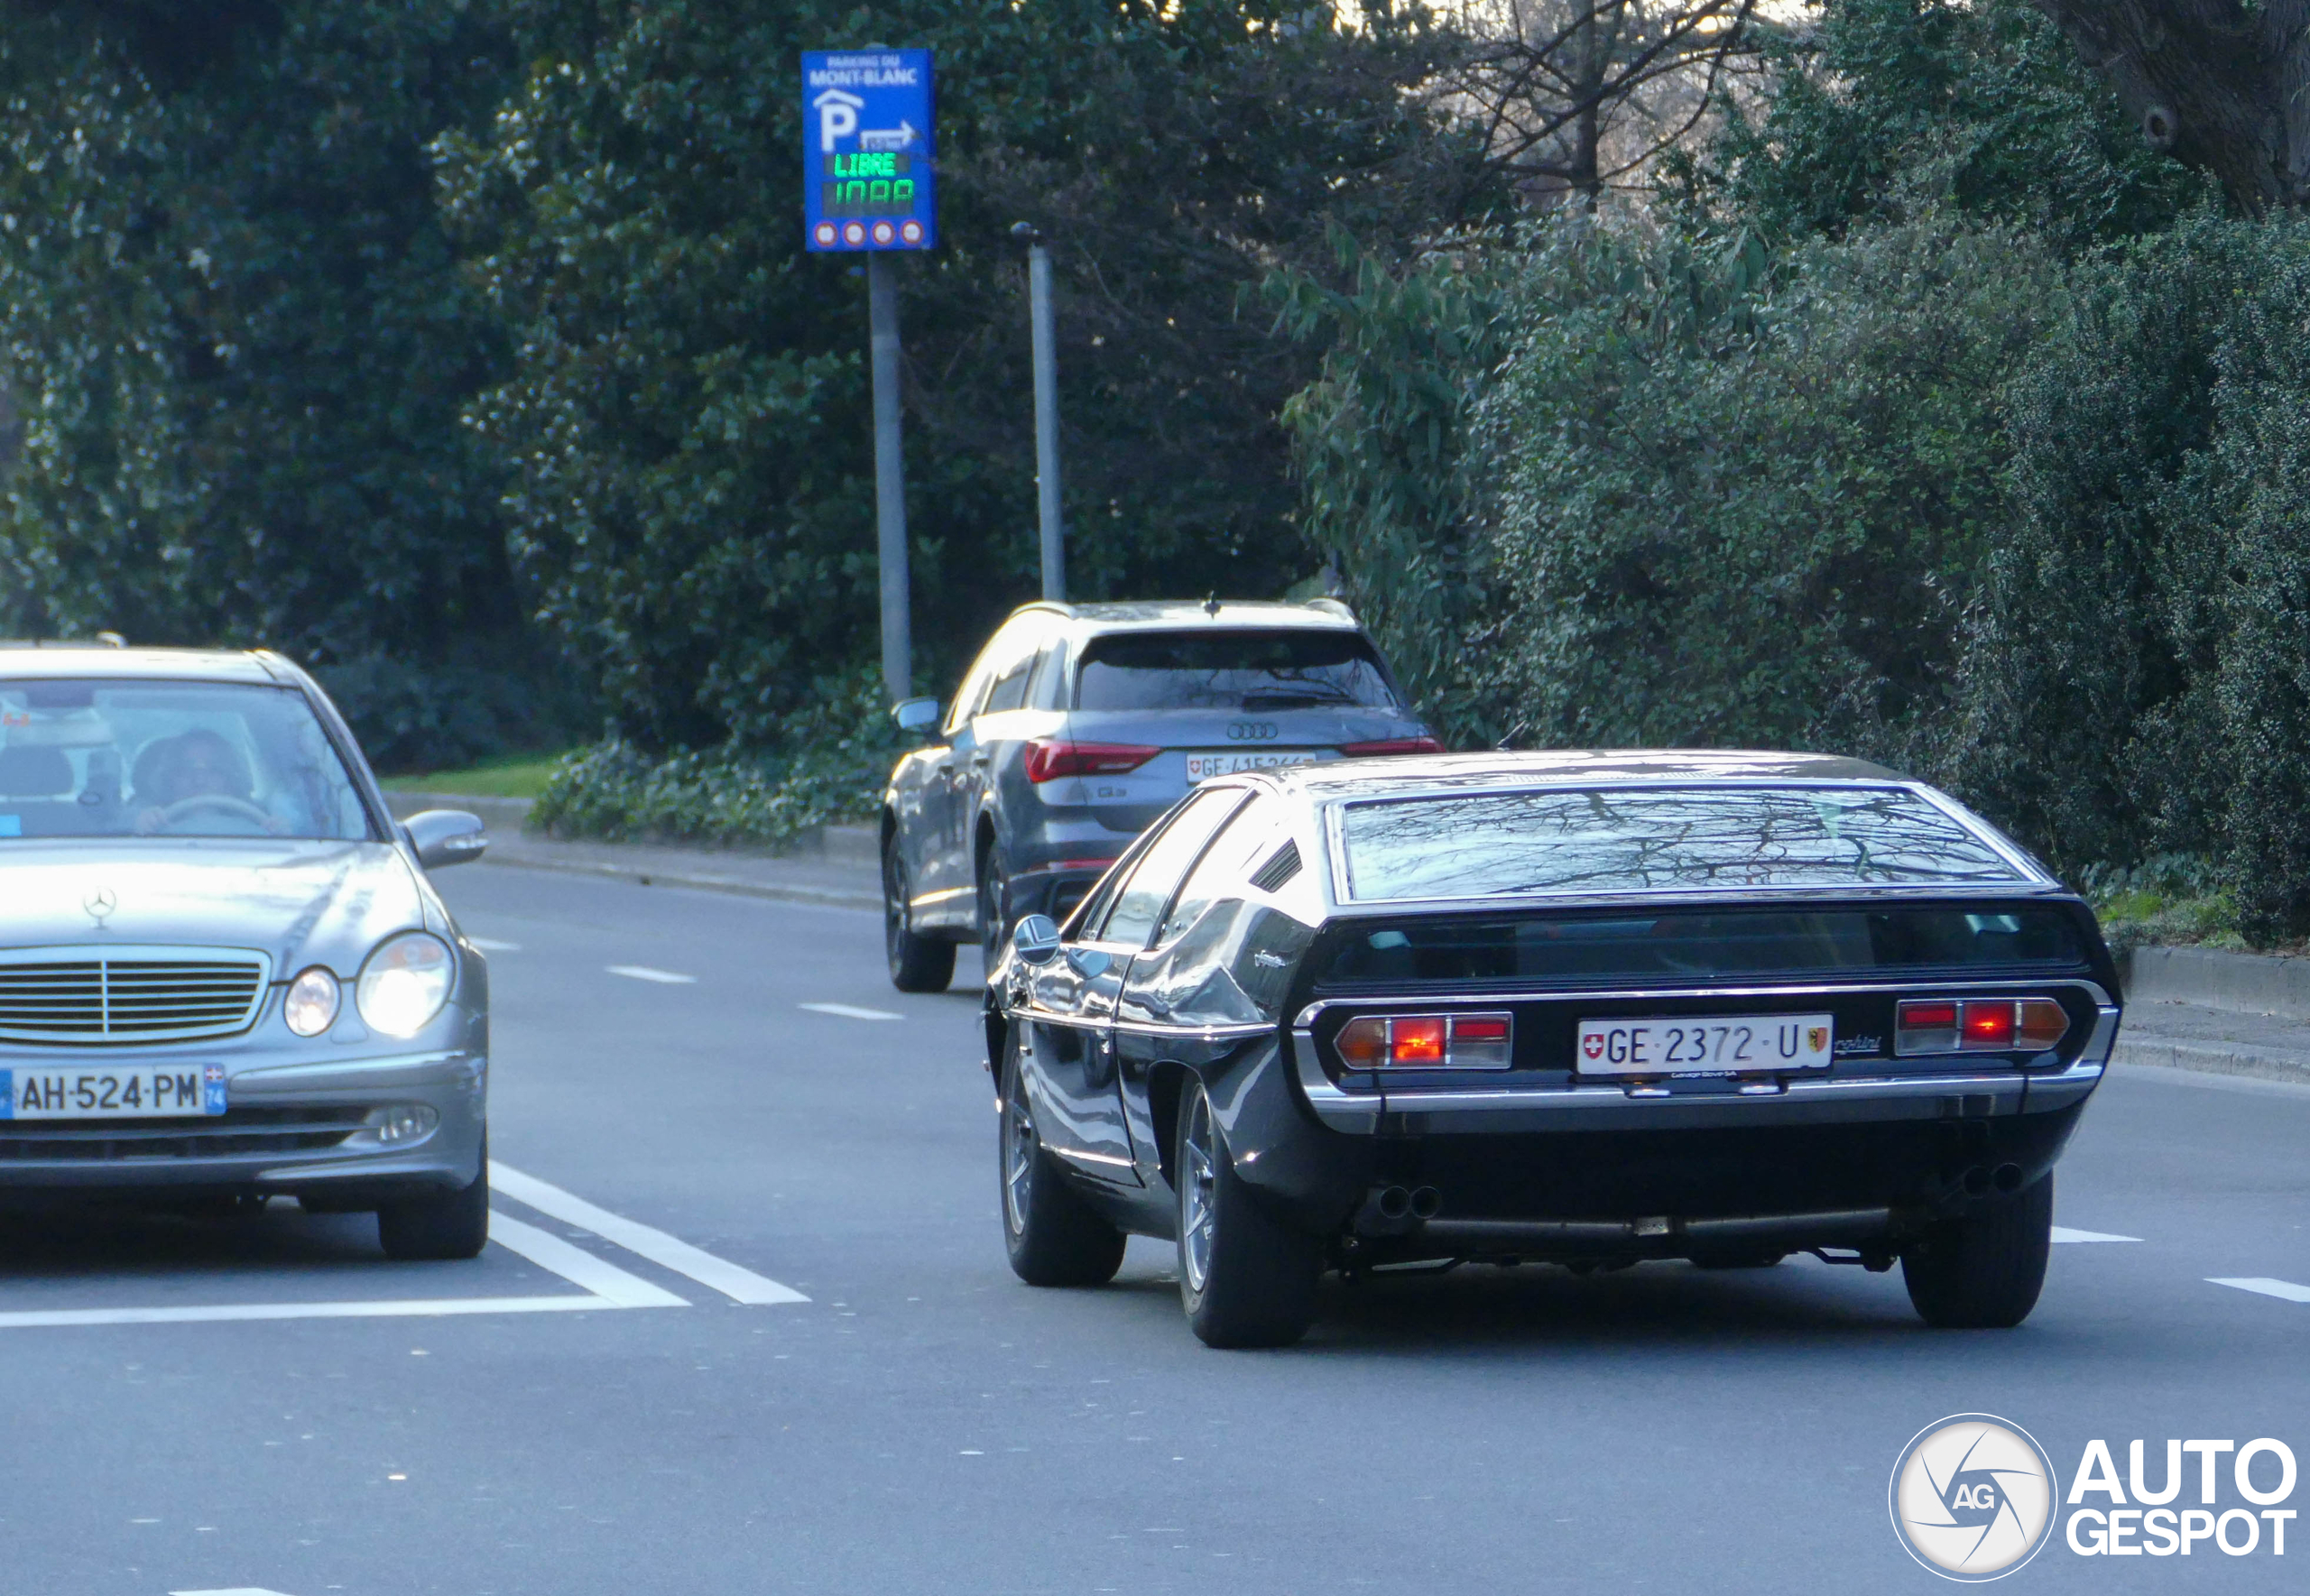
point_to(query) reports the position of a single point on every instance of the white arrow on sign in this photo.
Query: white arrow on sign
(838, 117)
(889, 138)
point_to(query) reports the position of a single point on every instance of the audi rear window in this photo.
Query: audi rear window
(1231, 670)
(1601, 840)
(1704, 943)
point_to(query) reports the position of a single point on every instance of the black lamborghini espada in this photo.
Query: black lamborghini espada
(1587, 1009)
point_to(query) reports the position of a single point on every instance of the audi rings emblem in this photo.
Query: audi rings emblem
(1250, 730)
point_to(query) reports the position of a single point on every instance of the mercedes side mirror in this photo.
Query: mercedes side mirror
(446, 836)
(1036, 939)
(916, 715)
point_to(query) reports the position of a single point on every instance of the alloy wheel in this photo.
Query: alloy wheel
(897, 915)
(1198, 1187)
(1019, 1150)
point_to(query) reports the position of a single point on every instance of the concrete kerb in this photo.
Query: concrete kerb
(837, 867)
(2267, 994)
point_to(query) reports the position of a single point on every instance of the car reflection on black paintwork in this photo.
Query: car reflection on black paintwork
(1581, 1009)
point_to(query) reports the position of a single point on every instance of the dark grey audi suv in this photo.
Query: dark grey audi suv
(1077, 724)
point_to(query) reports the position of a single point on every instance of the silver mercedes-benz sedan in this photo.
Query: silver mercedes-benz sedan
(223, 974)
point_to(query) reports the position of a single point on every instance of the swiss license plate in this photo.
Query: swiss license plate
(1202, 767)
(1706, 1043)
(113, 1092)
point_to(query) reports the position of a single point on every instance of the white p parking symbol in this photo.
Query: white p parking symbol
(838, 117)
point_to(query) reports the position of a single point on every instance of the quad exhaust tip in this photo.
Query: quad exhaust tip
(1396, 1202)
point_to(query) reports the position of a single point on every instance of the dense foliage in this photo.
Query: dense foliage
(1932, 417)
(228, 311)
(382, 333)
(687, 410)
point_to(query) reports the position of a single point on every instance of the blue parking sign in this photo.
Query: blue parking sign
(868, 181)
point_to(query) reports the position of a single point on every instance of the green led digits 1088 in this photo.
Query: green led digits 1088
(866, 183)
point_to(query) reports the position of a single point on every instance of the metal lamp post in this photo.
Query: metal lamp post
(1045, 353)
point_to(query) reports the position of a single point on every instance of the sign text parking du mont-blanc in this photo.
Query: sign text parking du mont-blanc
(867, 144)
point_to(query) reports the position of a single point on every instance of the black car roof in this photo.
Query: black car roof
(1570, 767)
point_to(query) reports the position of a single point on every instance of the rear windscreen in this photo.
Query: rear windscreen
(1701, 944)
(1236, 669)
(1637, 839)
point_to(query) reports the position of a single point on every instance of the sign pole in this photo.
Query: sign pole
(890, 478)
(1045, 348)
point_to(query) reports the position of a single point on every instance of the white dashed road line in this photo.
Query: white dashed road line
(2265, 1286)
(235, 1591)
(849, 1012)
(645, 973)
(739, 1285)
(491, 944)
(2063, 1234)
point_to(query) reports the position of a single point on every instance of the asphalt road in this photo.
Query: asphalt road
(924, 1422)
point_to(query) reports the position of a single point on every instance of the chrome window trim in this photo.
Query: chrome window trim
(1337, 879)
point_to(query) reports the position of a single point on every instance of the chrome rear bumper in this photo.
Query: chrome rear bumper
(1632, 1106)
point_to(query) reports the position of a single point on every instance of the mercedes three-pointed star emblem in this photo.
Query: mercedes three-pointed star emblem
(100, 902)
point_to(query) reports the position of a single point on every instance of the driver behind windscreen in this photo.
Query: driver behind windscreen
(173, 772)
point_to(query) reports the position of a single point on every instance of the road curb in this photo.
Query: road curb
(2214, 1058)
(2210, 978)
(834, 845)
(697, 881)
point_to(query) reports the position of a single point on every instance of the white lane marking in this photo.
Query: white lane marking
(491, 944)
(2062, 1233)
(235, 1591)
(2265, 1286)
(850, 1011)
(413, 1308)
(581, 1268)
(739, 1285)
(645, 973)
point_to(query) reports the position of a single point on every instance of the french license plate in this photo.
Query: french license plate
(1706, 1043)
(124, 1092)
(1202, 767)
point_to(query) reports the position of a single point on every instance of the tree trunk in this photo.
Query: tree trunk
(2222, 85)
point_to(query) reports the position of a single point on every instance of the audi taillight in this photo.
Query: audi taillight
(1424, 1041)
(1391, 745)
(1979, 1025)
(1048, 761)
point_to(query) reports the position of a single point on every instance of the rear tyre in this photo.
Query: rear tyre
(918, 962)
(1246, 1278)
(1054, 1237)
(993, 900)
(450, 1224)
(1984, 1272)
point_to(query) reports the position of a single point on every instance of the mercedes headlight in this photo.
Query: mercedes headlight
(405, 983)
(310, 1008)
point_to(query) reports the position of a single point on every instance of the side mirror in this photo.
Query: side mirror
(1035, 939)
(916, 715)
(446, 836)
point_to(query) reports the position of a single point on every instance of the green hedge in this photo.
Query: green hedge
(832, 769)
